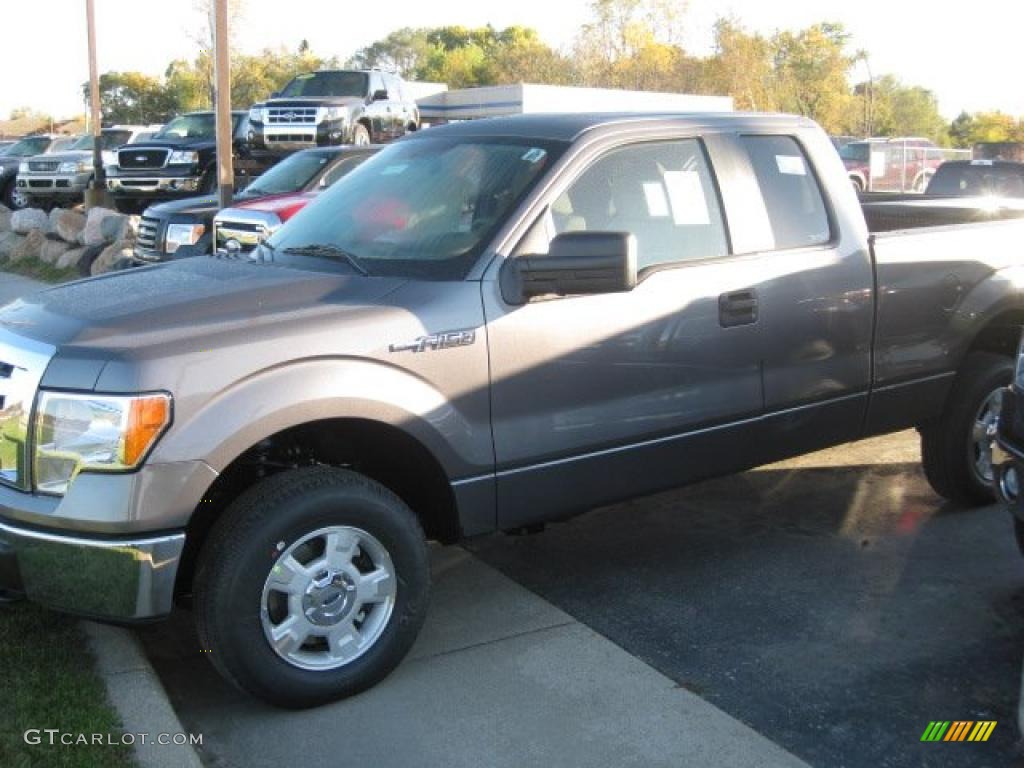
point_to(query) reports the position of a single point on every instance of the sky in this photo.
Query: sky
(969, 56)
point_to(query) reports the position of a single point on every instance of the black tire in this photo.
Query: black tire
(360, 135)
(858, 187)
(946, 444)
(14, 199)
(208, 182)
(244, 545)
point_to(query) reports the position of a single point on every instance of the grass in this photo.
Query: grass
(47, 680)
(39, 270)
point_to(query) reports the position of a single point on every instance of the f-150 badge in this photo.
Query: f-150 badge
(436, 341)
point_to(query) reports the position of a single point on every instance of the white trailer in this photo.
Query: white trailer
(530, 98)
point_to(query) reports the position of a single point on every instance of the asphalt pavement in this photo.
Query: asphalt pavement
(15, 286)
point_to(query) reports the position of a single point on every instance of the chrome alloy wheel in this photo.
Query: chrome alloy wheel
(328, 598)
(983, 435)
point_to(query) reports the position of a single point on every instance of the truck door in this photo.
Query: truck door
(596, 398)
(395, 117)
(816, 301)
(377, 110)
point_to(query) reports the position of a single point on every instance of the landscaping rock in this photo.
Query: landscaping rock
(30, 246)
(67, 225)
(92, 234)
(72, 258)
(52, 250)
(120, 227)
(8, 242)
(115, 256)
(27, 219)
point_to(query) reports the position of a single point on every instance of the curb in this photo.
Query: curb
(138, 696)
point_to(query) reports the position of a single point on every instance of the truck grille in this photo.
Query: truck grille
(148, 231)
(291, 138)
(142, 158)
(43, 166)
(291, 115)
(22, 363)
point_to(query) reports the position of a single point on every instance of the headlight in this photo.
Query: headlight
(183, 234)
(81, 166)
(98, 433)
(257, 114)
(183, 157)
(335, 113)
(22, 167)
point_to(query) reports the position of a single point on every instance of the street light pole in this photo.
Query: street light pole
(222, 77)
(96, 195)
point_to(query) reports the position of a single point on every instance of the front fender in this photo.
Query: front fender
(307, 391)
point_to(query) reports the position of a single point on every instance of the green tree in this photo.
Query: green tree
(742, 67)
(811, 68)
(133, 97)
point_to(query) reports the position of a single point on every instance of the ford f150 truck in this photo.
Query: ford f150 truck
(330, 107)
(485, 327)
(178, 161)
(184, 228)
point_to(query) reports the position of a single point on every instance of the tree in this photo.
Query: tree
(133, 97)
(898, 110)
(742, 67)
(967, 130)
(811, 69)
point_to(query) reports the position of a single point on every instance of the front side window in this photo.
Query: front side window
(662, 192)
(423, 208)
(792, 197)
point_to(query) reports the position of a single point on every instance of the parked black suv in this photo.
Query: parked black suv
(333, 107)
(179, 161)
(183, 228)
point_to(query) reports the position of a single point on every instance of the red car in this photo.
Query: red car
(891, 165)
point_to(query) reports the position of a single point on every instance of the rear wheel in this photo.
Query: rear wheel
(956, 449)
(312, 586)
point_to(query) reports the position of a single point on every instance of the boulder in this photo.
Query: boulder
(30, 246)
(114, 228)
(92, 234)
(72, 258)
(67, 225)
(8, 242)
(27, 219)
(115, 256)
(52, 250)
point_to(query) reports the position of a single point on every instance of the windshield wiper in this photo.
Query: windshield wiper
(324, 250)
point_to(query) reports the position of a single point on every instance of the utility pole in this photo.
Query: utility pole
(96, 195)
(225, 131)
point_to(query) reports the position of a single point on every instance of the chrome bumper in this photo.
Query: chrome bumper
(153, 184)
(120, 579)
(53, 185)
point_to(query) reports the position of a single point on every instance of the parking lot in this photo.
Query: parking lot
(832, 604)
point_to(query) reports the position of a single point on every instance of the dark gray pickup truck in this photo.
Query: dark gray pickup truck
(485, 327)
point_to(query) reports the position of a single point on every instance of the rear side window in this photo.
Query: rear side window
(796, 208)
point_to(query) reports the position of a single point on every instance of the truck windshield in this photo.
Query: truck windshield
(189, 127)
(290, 175)
(29, 147)
(423, 208)
(318, 84)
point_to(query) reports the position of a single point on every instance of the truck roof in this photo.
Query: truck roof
(569, 127)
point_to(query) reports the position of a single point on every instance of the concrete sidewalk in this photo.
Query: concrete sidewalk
(499, 678)
(15, 286)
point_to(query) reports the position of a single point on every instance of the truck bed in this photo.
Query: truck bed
(920, 211)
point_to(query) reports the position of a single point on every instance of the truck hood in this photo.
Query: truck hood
(287, 203)
(169, 309)
(190, 205)
(334, 101)
(173, 144)
(63, 157)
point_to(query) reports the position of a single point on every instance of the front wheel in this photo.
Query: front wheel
(956, 449)
(360, 136)
(312, 586)
(14, 198)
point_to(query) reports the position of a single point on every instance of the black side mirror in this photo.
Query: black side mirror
(577, 264)
(275, 94)
(379, 95)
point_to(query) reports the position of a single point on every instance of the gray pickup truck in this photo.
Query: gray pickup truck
(485, 327)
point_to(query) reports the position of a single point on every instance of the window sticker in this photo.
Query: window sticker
(791, 165)
(308, 76)
(657, 203)
(534, 155)
(686, 194)
(394, 170)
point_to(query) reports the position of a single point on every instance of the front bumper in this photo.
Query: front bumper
(54, 185)
(278, 138)
(117, 579)
(153, 186)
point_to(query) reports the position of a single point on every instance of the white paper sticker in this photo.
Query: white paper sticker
(535, 155)
(686, 195)
(791, 165)
(878, 164)
(394, 170)
(657, 204)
